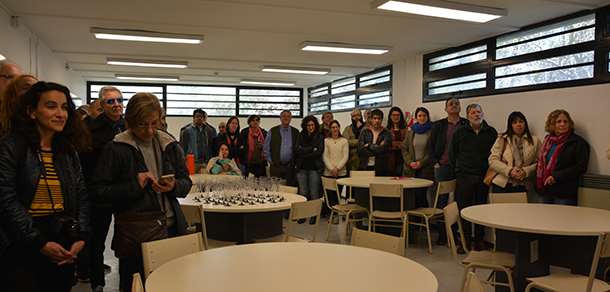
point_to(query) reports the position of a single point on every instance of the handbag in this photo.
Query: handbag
(131, 229)
(491, 174)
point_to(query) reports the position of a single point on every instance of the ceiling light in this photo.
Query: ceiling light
(267, 82)
(2, 57)
(147, 63)
(442, 9)
(344, 48)
(295, 70)
(146, 77)
(145, 36)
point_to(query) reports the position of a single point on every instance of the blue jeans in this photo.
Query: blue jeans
(444, 173)
(397, 170)
(309, 183)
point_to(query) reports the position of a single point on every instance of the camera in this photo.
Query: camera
(64, 224)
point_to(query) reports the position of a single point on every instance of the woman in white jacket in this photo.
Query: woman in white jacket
(514, 156)
(336, 153)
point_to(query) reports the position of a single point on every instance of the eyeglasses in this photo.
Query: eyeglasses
(9, 77)
(111, 101)
(198, 116)
(153, 126)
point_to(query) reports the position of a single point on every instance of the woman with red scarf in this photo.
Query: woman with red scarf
(254, 137)
(564, 157)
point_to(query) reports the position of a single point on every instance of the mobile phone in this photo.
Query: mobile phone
(165, 178)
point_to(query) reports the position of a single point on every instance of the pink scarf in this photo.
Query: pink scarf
(546, 168)
(251, 143)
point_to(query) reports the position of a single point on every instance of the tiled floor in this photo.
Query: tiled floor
(441, 262)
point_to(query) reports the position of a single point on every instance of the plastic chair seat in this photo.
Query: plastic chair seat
(387, 215)
(569, 282)
(426, 211)
(348, 207)
(488, 257)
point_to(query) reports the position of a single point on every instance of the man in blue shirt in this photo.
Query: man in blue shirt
(278, 149)
(196, 138)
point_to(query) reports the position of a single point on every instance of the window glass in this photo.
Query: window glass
(465, 83)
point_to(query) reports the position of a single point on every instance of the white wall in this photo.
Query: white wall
(32, 56)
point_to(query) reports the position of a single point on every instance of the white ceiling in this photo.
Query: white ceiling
(242, 35)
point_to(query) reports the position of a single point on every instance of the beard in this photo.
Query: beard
(477, 122)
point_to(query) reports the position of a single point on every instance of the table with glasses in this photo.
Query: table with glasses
(293, 267)
(566, 236)
(239, 209)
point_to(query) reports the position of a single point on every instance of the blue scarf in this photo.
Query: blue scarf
(420, 129)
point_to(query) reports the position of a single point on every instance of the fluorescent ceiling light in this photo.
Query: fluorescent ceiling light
(442, 9)
(147, 63)
(146, 77)
(295, 70)
(267, 82)
(145, 36)
(344, 48)
(2, 57)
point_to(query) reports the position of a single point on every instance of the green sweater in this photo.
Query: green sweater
(468, 151)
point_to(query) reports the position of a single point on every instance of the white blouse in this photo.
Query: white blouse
(336, 153)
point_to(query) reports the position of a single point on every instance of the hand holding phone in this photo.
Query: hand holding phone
(165, 178)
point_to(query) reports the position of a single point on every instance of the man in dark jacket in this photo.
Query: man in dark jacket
(440, 135)
(196, 139)
(469, 149)
(373, 146)
(103, 129)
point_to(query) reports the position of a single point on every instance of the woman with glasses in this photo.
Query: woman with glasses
(11, 96)
(336, 153)
(309, 149)
(44, 214)
(398, 127)
(134, 175)
(254, 139)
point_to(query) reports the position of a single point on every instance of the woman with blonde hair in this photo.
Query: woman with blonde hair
(564, 157)
(10, 98)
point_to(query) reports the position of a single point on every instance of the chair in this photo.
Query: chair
(503, 198)
(292, 190)
(386, 191)
(347, 211)
(159, 252)
(358, 173)
(195, 214)
(298, 210)
(136, 284)
(378, 241)
(572, 282)
(473, 284)
(486, 259)
(427, 213)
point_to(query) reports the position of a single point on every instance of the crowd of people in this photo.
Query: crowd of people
(66, 173)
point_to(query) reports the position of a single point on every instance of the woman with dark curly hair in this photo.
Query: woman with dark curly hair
(309, 149)
(564, 157)
(44, 215)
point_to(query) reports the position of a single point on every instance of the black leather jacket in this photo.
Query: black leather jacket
(17, 192)
(304, 149)
(115, 178)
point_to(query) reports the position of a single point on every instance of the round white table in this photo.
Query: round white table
(291, 267)
(244, 223)
(364, 182)
(542, 235)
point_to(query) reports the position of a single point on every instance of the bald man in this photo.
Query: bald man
(7, 73)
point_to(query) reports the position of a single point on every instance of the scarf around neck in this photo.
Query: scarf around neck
(420, 129)
(117, 127)
(357, 130)
(251, 144)
(547, 168)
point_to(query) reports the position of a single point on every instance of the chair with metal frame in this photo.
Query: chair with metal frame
(347, 211)
(473, 284)
(486, 259)
(358, 173)
(378, 241)
(195, 214)
(158, 252)
(430, 213)
(298, 210)
(387, 191)
(136, 284)
(572, 282)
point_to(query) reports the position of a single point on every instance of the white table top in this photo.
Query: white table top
(541, 218)
(235, 208)
(291, 267)
(201, 176)
(363, 182)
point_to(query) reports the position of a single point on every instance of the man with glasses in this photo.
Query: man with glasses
(103, 129)
(278, 149)
(352, 134)
(196, 139)
(324, 128)
(7, 73)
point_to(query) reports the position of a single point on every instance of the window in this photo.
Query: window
(181, 100)
(557, 53)
(369, 90)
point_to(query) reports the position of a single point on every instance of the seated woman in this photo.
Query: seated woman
(514, 157)
(564, 157)
(222, 164)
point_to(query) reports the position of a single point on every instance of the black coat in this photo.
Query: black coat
(17, 192)
(436, 143)
(304, 149)
(572, 162)
(115, 178)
